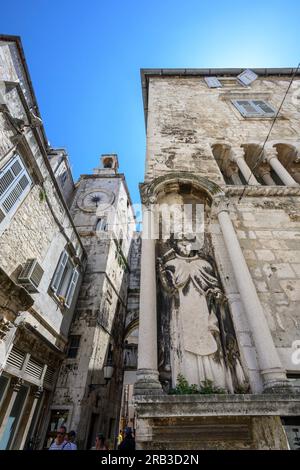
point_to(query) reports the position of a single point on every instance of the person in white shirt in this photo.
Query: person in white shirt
(70, 444)
(59, 443)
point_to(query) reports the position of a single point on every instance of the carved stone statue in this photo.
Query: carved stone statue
(201, 335)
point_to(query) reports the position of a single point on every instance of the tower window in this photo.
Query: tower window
(108, 163)
(101, 225)
(74, 343)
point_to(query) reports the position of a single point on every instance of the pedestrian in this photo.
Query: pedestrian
(120, 437)
(70, 442)
(128, 442)
(100, 443)
(59, 442)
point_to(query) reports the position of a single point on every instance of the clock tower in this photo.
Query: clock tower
(92, 372)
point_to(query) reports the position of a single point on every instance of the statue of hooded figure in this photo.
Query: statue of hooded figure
(196, 349)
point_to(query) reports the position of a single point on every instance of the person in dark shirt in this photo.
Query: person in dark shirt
(128, 442)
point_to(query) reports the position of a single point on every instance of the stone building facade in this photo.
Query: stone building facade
(103, 214)
(221, 308)
(42, 259)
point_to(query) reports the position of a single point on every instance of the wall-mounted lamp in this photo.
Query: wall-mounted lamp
(108, 371)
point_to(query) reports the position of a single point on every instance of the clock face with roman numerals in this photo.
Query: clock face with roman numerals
(97, 199)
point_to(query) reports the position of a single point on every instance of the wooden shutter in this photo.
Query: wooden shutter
(49, 376)
(264, 107)
(14, 185)
(59, 271)
(16, 358)
(34, 369)
(246, 108)
(213, 82)
(72, 287)
(247, 77)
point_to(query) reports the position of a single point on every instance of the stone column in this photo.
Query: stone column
(270, 366)
(147, 373)
(271, 156)
(28, 424)
(237, 156)
(16, 387)
(264, 171)
(232, 172)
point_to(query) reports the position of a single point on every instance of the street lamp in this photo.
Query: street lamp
(108, 371)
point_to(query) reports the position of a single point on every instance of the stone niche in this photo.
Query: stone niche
(196, 336)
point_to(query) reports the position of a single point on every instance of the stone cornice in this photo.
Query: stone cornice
(258, 191)
(160, 406)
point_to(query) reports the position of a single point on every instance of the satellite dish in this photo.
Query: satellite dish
(247, 77)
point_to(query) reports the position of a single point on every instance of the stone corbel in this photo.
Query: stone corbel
(5, 326)
(13, 299)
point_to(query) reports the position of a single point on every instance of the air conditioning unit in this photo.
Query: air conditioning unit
(31, 275)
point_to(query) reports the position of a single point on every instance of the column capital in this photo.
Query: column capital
(236, 153)
(220, 203)
(231, 168)
(263, 169)
(269, 153)
(16, 385)
(38, 392)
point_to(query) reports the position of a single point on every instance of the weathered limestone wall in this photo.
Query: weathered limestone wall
(185, 116)
(269, 234)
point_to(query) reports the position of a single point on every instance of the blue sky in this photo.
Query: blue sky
(85, 57)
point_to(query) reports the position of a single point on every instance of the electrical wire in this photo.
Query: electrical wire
(260, 156)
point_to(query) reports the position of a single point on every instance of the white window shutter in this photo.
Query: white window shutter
(72, 287)
(246, 108)
(14, 184)
(59, 271)
(247, 77)
(264, 107)
(213, 82)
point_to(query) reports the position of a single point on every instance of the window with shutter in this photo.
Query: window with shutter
(246, 108)
(59, 271)
(247, 77)
(213, 82)
(264, 107)
(15, 183)
(65, 279)
(254, 108)
(71, 288)
(49, 376)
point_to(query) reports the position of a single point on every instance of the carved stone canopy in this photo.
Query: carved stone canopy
(177, 181)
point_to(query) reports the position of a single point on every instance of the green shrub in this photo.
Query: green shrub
(184, 388)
